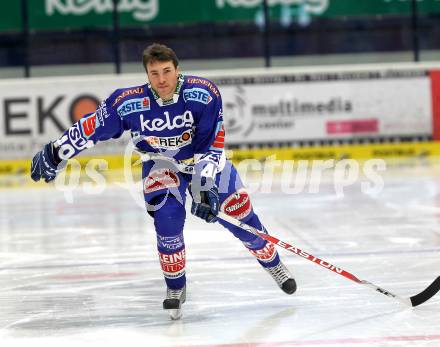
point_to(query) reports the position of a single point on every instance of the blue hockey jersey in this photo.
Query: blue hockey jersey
(188, 126)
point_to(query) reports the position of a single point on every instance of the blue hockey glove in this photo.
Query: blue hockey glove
(206, 202)
(44, 164)
(208, 206)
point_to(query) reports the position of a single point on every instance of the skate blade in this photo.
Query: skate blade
(175, 314)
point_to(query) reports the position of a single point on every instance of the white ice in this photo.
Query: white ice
(87, 274)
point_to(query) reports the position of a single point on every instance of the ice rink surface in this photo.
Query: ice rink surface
(86, 273)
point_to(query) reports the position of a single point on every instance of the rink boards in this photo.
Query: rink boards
(15, 173)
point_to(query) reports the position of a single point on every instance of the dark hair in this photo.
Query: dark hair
(158, 52)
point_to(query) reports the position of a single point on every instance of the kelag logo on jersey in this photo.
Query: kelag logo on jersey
(133, 105)
(170, 122)
(197, 94)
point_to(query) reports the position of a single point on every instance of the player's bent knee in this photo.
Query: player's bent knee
(169, 219)
(250, 240)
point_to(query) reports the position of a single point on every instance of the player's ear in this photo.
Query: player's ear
(177, 70)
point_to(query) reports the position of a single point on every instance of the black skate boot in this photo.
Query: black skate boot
(283, 278)
(173, 302)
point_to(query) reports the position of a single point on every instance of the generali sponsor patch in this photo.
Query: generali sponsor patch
(161, 179)
(237, 205)
(127, 92)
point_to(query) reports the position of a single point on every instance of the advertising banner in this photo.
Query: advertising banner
(76, 14)
(263, 109)
(327, 107)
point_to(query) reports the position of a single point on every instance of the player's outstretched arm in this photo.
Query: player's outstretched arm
(101, 125)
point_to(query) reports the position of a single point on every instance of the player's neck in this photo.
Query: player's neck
(170, 97)
(167, 97)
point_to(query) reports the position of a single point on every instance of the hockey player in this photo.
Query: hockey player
(177, 121)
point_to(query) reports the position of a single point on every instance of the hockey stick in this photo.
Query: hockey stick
(413, 301)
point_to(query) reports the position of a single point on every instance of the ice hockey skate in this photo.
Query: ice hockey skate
(173, 302)
(283, 278)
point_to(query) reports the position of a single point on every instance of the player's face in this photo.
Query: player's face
(163, 78)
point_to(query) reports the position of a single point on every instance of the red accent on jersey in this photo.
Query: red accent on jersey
(160, 179)
(219, 141)
(89, 125)
(146, 102)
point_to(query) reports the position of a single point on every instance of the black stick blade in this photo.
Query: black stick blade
(427, 294)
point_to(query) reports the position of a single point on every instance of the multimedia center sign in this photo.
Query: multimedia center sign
(78, 14)
(327, 107)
